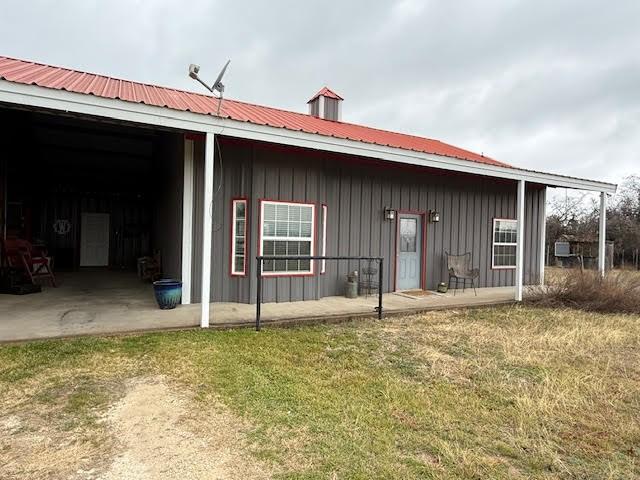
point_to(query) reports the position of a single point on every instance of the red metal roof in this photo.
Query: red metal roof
(327, 92)
(30, 73)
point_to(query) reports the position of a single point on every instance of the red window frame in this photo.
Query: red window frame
(232, 263)
(314, 227)
(323, 263)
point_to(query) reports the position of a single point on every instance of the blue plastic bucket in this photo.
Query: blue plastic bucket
(168, 293)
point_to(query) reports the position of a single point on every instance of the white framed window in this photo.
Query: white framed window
(505, 236)
(287, 228)
(323, 263)
(239, 236)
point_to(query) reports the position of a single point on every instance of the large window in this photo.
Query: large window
(287, 229)
(239, 237)
(505, 236)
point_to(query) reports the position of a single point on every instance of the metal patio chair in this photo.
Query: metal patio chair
(367, 283)
(460, 268)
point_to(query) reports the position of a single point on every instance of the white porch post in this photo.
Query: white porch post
(187, 221)
(602, 234)
(543, 236)
(520, 240)
(206, 229)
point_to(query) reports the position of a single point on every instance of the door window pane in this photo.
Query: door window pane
(408, 234)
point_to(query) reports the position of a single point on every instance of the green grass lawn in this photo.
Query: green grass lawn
(510, 392)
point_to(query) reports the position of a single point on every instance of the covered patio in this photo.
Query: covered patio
(123, 304)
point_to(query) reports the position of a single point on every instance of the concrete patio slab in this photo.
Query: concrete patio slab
(109, 302)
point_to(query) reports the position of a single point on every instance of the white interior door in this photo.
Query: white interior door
(94, 240)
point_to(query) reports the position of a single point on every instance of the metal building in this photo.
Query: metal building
(130, 169)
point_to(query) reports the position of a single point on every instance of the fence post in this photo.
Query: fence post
(258, 291)
(380, 277)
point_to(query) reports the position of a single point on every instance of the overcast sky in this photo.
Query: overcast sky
(548, 85)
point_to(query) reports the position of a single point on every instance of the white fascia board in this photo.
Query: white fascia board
(398, 155)
(35, 96)
(70, 102)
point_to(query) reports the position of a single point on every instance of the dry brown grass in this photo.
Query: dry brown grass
(501, 393)
(554, 390)
(616, 292)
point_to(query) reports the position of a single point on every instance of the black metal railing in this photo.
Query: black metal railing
(259, 270)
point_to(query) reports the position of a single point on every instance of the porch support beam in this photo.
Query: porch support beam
(520, 240)
(602, 234)
(209, 151)
(543, 237)
(187, 221)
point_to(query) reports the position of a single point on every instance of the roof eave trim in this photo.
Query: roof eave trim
(61, 100)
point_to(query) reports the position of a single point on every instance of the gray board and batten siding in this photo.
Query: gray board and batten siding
(355, 191)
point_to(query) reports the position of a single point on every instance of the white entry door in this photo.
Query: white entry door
(94, 240)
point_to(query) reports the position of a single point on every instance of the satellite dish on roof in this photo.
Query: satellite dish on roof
(217, 86)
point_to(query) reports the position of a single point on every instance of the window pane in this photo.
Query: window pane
(305, 230)
(294, 213)
(240, 228)
(292, 266)
(239, 246)
(282, 213)
(240, 210)
(239, 264)
(280, 266)
(294, 229)
(305, 214)
(408, 226)
(282, 229)
(293, 248)
(408, 234)
(280, 248)
(269, 229)
(268, 248)
(305, 248)
(305, 265)
(269, 212)
(504, 256)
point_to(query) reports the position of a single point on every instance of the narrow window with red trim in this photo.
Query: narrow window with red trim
(239, 237)
(323, 263)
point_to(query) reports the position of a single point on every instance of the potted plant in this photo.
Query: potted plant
(168, 293)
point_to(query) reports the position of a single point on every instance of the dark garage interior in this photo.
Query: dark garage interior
(95, 196)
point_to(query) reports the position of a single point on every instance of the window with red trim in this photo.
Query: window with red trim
(287, 229)
(323, 263)
(239, 237)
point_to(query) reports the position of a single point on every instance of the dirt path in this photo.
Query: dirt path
(163, 435)
(156, 430)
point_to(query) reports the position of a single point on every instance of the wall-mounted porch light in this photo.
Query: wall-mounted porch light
(389, 214)
(434, 216)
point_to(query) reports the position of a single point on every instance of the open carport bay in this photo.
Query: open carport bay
(96, 196)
